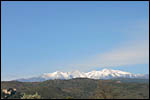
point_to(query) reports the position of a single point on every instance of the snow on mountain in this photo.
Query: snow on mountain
(103, 74)
(107, 74)
(55, 75)
(76, 74)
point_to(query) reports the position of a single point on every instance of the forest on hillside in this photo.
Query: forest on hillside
(78, 88)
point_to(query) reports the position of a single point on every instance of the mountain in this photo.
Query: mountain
(102, 74)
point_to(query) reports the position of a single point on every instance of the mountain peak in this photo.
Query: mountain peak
(106, 69)
(75, 71)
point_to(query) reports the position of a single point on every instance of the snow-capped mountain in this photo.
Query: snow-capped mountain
(102, 74)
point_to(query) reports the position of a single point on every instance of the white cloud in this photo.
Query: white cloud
(126, 55)
(133, 53)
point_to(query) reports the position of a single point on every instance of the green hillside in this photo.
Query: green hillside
(82, 88)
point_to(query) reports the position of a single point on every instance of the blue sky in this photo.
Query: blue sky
(41, 37)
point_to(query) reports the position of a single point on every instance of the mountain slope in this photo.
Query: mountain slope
(103, 74)
(82, 88)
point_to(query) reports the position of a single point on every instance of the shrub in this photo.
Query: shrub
(35, 96)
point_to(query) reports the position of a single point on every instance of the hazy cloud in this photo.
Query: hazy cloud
(133, 51)
(128, 54)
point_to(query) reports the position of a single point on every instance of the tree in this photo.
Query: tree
(103, 91)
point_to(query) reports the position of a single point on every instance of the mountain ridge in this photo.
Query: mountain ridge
(102, 74)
